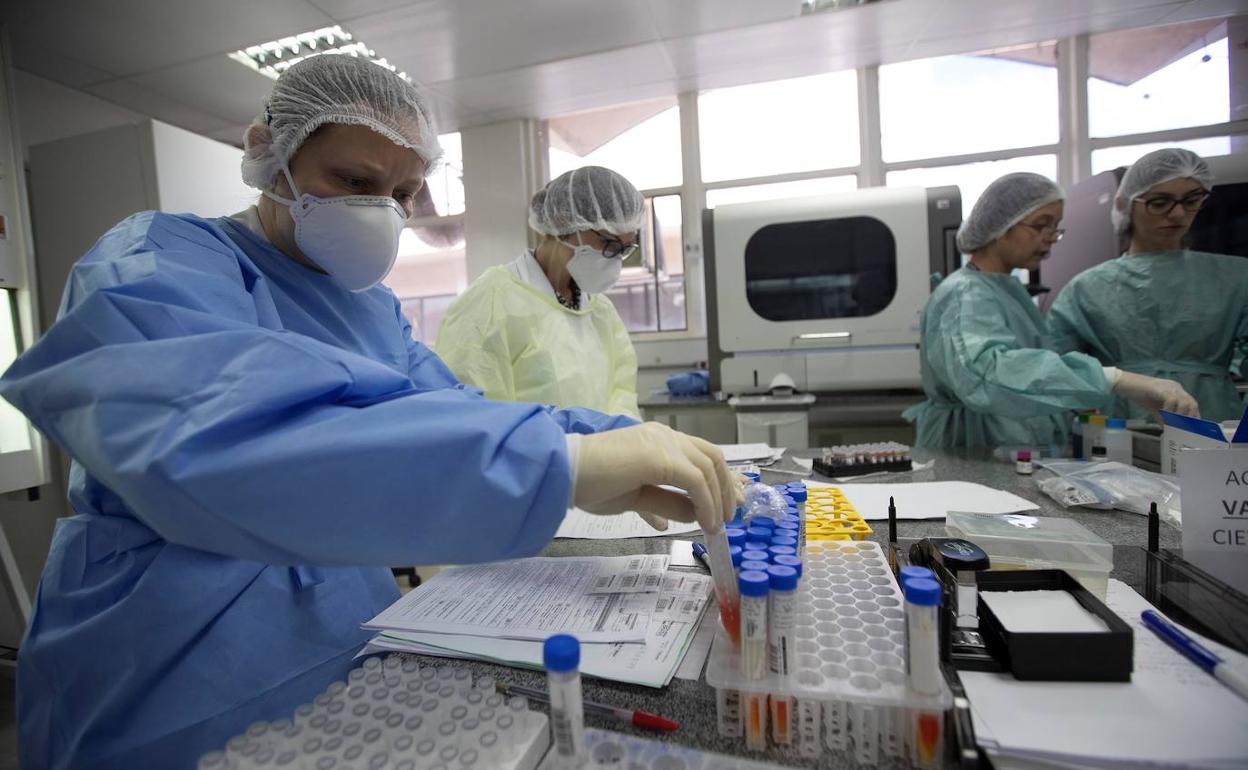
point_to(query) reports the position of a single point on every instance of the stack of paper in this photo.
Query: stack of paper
(591, 526)
(1171, 714)
(634, 618)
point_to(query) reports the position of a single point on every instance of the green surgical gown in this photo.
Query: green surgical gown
(988, 379)
(1182, 315)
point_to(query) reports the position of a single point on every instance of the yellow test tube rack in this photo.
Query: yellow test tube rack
(830, 516)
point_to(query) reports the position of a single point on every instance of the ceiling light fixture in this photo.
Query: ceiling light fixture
(818, 6)
(276, 56)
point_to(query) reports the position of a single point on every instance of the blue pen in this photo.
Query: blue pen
(1196, 652)
(699, 553)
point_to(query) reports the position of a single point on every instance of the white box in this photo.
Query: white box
(1182, 433)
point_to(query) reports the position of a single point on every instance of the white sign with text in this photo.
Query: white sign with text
(1215, 512)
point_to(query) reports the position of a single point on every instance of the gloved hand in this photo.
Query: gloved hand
(1154, 393)
(621, 470)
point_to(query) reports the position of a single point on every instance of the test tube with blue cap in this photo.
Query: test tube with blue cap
(781, 617)
(561, 654)
(755, 554)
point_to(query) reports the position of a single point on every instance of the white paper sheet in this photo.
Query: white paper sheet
(630, 574)
(652, 663)
(929, 499)
(520, 599)
(1041, 612)
(1170, 713)
(588, 526)
(700, 648)
(744, 453)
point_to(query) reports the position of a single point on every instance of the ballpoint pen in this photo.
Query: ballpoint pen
(635, 717)
(1194, 651)
(699, 553)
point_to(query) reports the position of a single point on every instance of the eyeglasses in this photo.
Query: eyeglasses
(613, 247)
(1162, 205)
(1053, 232)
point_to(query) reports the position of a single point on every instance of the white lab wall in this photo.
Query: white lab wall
(196, 174)
(504, 171)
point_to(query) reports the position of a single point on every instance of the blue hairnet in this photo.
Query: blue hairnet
(1003, 205)
(1151, 170)
(589, 198)
(336, 88)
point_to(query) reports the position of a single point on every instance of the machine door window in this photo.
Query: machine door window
(828, 268)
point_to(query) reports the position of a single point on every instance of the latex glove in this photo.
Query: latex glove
(1154, 393)
(621, 470)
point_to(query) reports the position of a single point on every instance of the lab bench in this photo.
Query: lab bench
(692, 703)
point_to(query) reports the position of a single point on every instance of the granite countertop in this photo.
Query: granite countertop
(693, 703)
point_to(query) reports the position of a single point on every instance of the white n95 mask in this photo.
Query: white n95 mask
(592, 271)
(354, 238)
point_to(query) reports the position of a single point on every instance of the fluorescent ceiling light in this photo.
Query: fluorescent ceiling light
(276, 56)
(818, 6)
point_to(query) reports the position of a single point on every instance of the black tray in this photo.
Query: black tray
(1103, 656)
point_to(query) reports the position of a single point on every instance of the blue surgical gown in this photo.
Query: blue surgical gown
(253, 446)
(1181, 315)
(988, 380)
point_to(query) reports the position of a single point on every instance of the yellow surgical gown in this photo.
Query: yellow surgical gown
(519, 344)
(1181, 315)
(988, 380)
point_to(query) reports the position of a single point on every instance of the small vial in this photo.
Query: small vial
(754, 586)
(761, 535)
(783, 540)
(736, 536)
(756, 554)
(734, 552)
(1022, 465)
(789, 561)
(798, 493)
(781, 617)
(755, 708)
(756, 566)
(923, 650)
(561, 654)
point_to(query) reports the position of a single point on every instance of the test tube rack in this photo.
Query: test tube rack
(395, 715)
(831, 517)
(627, 752)
(863, 459)
(849, 691)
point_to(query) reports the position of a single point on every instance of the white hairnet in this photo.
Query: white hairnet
(1151, 170)
(1003, 205)
(589, 198)
(335, 88)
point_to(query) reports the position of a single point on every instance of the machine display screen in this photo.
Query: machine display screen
(827, 268)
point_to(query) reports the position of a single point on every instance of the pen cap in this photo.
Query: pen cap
(782, 578)
(754, 583)
(788, 561)
(561, 652)
(752, 476)
(923, 592)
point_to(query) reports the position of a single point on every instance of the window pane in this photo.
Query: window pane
(446, 185)
(831, 268)
(956, 105)
(640, 141)
(1113, 157)
(1157, 79)
(429, 272)
(14, 430)
(779, 190)
(779, 127)
(650, 295)
(972, 178)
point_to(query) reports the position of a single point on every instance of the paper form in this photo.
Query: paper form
(700, 647)
(521, 599)
(583, 525)
(651, 663)
(1170, 713)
